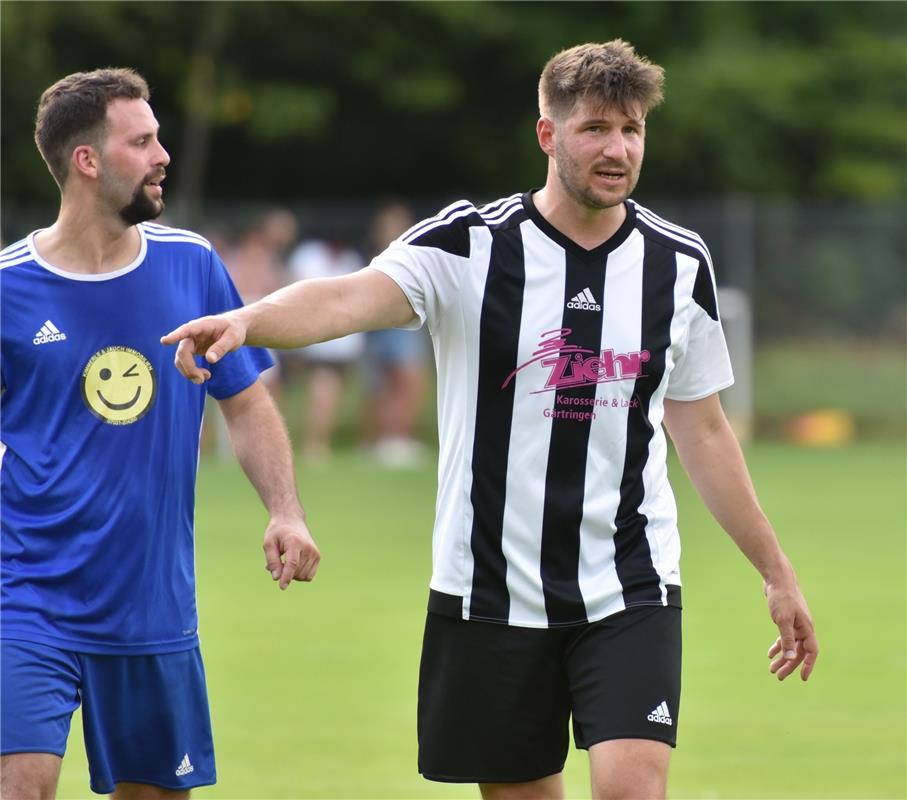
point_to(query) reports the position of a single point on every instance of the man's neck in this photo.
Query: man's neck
(588, 227)
(81, 241)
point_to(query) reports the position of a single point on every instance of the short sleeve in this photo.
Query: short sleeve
(703, 367)
(238, 370)
(426, 275)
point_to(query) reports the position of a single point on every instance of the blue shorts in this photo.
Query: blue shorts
(145, 718)
(394, 346)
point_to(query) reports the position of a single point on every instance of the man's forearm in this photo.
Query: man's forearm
(263, 449)
(714, 462)
(320, 309)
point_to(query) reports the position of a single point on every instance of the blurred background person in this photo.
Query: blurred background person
(257, 264)
(328, 367)
(396, 365)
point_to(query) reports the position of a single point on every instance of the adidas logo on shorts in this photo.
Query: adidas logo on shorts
(661, 714)
(185, 767)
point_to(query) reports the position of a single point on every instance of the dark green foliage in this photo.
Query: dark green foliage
(334, 99)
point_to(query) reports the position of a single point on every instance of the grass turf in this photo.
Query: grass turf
(313, 690)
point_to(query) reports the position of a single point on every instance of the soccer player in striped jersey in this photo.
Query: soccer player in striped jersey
(571, 326)
(99, 457)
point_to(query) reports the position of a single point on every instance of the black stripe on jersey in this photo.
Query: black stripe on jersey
(499, 338)
(632, 556)
(704, 291)
(569, 447)
(688, 243)
(451, 237)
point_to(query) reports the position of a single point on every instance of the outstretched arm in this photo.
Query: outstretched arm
(711, 455)
(262, 447)
(299, 314)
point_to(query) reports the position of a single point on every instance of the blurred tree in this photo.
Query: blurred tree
(288, 101)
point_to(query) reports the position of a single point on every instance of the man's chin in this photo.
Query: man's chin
(142, 211)
(599, 201)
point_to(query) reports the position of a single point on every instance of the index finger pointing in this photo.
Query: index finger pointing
(176, 335)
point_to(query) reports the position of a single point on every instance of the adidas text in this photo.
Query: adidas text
(45, 338)
(584, 301)
(584, 306)
(47, 333)
(661, 714)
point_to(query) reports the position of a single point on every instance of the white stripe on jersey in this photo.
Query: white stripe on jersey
(653, 217)
(500, 214)
(659, 503)
(525, 507)
(454, 211)
(173, 239)
(163, 233)
(16, 253)
(14, 250)
(621, 319)
(14, 261)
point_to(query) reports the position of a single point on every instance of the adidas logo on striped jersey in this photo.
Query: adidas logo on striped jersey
(661, 714)
(584, 301)
(48, 333)
(185, 767)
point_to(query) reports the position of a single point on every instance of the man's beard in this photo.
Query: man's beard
(141, 208)
(569, 174)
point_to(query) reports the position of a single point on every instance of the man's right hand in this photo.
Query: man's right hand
(212, 337)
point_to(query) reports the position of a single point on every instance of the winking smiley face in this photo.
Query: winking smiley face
(118, 385)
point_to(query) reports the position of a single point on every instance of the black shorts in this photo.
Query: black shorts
(495, 700)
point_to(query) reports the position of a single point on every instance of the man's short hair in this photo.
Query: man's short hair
(74, 111)
(610, 74)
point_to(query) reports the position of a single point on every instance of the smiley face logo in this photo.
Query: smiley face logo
(118, 385)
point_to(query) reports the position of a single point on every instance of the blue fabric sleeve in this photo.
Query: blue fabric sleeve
(239, 370)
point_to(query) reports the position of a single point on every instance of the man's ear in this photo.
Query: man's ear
(86, 161)
(544, 130)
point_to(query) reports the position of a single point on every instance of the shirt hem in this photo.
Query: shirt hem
(699, 396)
(448, 605)
(102, 649)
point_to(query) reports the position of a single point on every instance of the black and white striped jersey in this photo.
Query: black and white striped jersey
(553, 364)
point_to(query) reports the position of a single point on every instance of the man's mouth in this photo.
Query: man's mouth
(157, 180)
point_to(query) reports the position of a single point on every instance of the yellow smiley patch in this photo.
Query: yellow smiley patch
(118, 385)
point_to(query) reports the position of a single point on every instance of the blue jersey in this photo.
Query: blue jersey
(100, 438)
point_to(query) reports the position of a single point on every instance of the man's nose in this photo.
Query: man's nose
(614, 145)
(163, 157)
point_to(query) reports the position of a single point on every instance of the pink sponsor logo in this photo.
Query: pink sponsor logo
(570, 365)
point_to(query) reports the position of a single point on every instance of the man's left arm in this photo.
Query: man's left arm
(262, 446)
(711, 455)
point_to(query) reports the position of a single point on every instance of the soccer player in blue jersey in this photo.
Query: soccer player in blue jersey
(573, 328)
(99, 455)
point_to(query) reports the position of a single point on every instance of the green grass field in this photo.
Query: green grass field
(313, 690)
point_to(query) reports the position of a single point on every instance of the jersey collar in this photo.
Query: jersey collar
(79, 276)
(608, 246)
